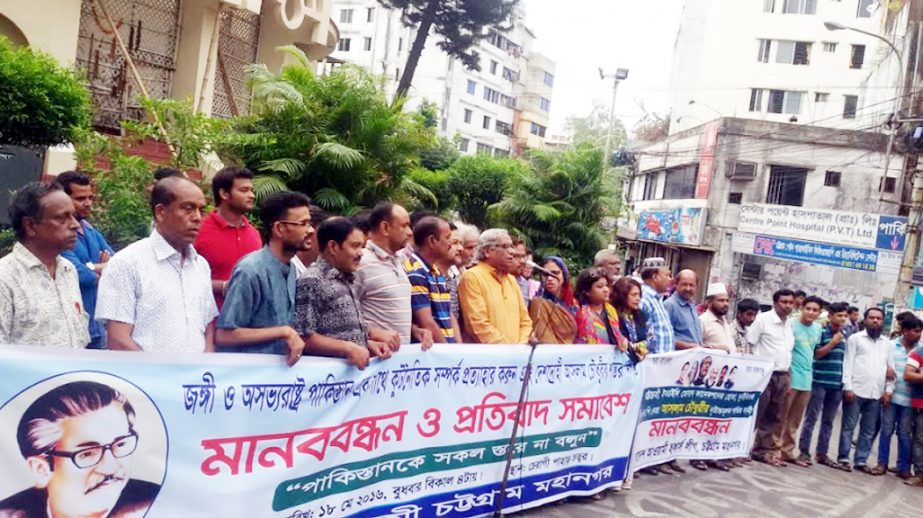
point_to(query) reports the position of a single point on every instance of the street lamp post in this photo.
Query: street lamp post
(620, 75)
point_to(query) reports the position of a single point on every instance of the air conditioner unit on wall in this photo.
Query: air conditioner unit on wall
(751, 271)
(740, 170)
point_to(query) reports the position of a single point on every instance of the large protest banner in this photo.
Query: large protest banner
(698, 404)
(421, 434)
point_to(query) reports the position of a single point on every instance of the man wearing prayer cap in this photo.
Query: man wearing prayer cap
(716, 330)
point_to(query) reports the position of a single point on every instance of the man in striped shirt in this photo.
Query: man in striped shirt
(656, 281)
(827, 385)
(381, 283)
(896, 410)
(431, 300)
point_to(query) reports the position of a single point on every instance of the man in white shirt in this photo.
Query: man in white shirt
(156, 294)
(40, 302)
(771, 336)
(716, 330)
(868, 371)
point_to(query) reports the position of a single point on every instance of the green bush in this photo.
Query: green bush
(436, 182)
(41, 102)
(480, 181)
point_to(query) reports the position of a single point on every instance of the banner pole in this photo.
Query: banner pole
(498, 511)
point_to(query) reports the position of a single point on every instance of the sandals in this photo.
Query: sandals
(800, 462)
(844, 466)
(827, 461)
(771, 460)
(806, 459)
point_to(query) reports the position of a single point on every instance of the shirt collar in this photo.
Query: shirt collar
(722, 319)
(680, 300)
(328, 271)
(432, 268)
(26, 257)
(380, 253)
(164, 250)
(223, 223)
(283, 268)
(495, 273)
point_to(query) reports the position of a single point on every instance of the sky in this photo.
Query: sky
(583, 35)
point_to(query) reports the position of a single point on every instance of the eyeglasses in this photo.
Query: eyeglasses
(89, 457)
(296, 223)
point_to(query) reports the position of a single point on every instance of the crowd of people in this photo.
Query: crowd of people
(360, 287)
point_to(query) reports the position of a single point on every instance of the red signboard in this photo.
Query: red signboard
(706, 159)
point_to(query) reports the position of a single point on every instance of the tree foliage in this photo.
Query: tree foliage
(334, 137)
(41, 102)
(652, 127)
(480, 181)
(191, 135)
(461, 24)
(558, 207)
(592, 128)
(441, 155)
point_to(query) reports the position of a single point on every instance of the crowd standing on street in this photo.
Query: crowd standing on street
(361, 288)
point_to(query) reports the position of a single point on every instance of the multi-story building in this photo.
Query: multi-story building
(501, 109)
(775, 60)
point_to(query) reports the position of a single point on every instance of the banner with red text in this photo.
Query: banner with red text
(698, 404)
(421, 434)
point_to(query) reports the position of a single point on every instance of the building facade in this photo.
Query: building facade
(501, 109)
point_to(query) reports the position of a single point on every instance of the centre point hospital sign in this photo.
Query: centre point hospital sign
(856, 229)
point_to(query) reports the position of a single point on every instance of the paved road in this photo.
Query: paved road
(757, 490)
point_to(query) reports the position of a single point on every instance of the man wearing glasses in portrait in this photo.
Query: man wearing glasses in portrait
(78, 440)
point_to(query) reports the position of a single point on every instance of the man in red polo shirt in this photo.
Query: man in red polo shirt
(226, 235)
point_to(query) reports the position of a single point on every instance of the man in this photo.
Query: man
(716, 331)
(381, 282)
(656, 280)
(681, 307)
(328, 315)
(431, 300)
(896, 410)
(78, 440)
(491, 303)
(610, 262)
(519, 262)
(306, 257)
(913, 375)
(226, 234)
(453, 274)
(90, 254)
(799, 301)
(747, 310)
(853, 324)
(469, 236)
(867, 367)
(771, 336)
(156, 294)
(260, 302)
(807, 333)
(40, 301)
(827, 385)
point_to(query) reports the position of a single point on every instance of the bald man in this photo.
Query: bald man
(681, 307)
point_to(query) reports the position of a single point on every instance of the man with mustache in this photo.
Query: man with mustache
(78, 440)
(156, 294)
(328, 316)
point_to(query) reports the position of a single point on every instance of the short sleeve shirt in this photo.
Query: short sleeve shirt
(326, 303)
(222, 245)
(661, 338)
(828, 371)
(384, 290)
(806, 340)
(429, 290)
(915, 361)
(684, 318)
(261, 294)
(772, 337)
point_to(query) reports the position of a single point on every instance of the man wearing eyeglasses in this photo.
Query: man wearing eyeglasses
(78, 440)
(260, 302)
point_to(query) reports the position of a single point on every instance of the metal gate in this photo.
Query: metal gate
(238, 44)
(150, 31)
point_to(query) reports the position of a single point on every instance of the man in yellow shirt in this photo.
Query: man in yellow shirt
(492, 306)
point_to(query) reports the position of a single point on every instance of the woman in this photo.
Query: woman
(626, 297)
(597, 320)
(553, 310)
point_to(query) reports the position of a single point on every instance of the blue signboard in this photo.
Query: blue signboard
(817, 253)
(892, 231)
(682, 225)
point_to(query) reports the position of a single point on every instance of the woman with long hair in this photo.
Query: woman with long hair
(553, 311)
(597, 319)
(626, 297)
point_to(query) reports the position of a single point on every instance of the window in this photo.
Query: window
(888, 184)
(850, 103)
(735, 197)
(485, 148)
(544, 104)
(537, 129)
(486, 124)
(501, 152)
(468, 114)
(346, 16)
(756, 99)
(821, 97)
(493, 67)
(679, 182)
(857, 57)
(491, 95)
(800, 6)
(769, 6)
(509, 102)
(549, 79)
(472, 87)
(367, 45)
(829, 46)
(463, 145)
(786, 185)
(793, 52)
(343, 44)
(832, 178)
(866, 7)
(370, 14)
(504, 128)
(763, 56)
(783, 101)
(650, 183)
(510, 74)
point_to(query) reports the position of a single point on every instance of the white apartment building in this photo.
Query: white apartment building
(774, 60)
(501, 109)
